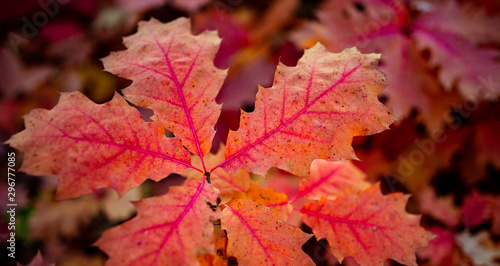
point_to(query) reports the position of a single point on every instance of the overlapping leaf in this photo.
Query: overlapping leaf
(330, 179)
(312, 111)
(277, 202)
(462, 62)
(173, 74)
(172, 229)
(258, 237)
(90, 146)
(370, 227)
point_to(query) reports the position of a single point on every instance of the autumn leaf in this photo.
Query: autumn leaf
(173, 74)
(277, 202)
(457, 49)
(341, 25)
(171, 229)
(90, 146)
(369, 227)
(449, 16)
(227, 184)
(330, 179)
(462, 61)
(312, 111)
(258, 237)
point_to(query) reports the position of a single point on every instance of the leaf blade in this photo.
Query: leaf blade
(296, 100)
(173, 74)
(90, 146)
(167, 222)
(330, 179)
(246, 222)
(388, 231)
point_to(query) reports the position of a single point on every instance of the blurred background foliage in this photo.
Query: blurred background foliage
(441, 59)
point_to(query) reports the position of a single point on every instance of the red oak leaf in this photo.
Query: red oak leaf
(453, 33)
(461, 19)
(330, 179)
(312, 111)
(258, 237)
(369, 227)
(462, 61)
(171, 229)
(173, 74)
(90, 146)
(375, 28)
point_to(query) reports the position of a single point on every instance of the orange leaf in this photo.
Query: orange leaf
(257, 237)
(330, 179)
(277, 202)
(369, 227)
(90, 146)
(173, 74)
(312, 111)
(172, 229)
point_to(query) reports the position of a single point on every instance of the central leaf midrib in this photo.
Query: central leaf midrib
(181, 95)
